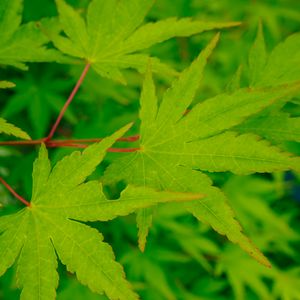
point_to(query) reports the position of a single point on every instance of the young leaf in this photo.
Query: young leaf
(21, 43)
(11, 129)
(49, 227)
(112, 34)
(174, 145)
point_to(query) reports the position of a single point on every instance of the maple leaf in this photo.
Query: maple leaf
(21, 43)
(233, 263)
(146, 269)
(49, 225)
(195, 244)
(111, 36)
(11, 129)
(250, 197)
(175, 148)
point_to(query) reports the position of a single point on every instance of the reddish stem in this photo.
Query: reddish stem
(64, 142)
(132, 138)
(14, 192)
(72, 145)
(54, 145)
(68, 102)
(95, 140)
(22, 143)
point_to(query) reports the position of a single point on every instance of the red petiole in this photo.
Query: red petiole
(54, 145)
(14, 192)
(68, 102)
(64, 142)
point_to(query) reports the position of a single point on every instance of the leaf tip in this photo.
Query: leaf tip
(26, 137)
(142, 246)
(236, 24)
(127, 127)
(264, 261)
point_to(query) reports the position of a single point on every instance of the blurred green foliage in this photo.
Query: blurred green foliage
(184, 260)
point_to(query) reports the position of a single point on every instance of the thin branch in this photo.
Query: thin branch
(68, 102)
(52, 144)
(96, 140)
(132, 138)
(82, 146)
(14, 192)
(22, 143)
(64, 142)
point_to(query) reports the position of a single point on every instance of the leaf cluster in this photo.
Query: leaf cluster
(215, 139)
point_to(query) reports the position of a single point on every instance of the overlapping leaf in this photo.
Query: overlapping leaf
(111, 36)
(279, 128)
(49, 227)
(175, 147)
(280, 67)
(21, 43)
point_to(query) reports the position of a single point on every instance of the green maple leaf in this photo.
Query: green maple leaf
(249, 197)
(111, 36)
(175, 148)
(144, 268)
(194, 245)
(233, 263)
(49, 225)
(21, 43)
(11, 129)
